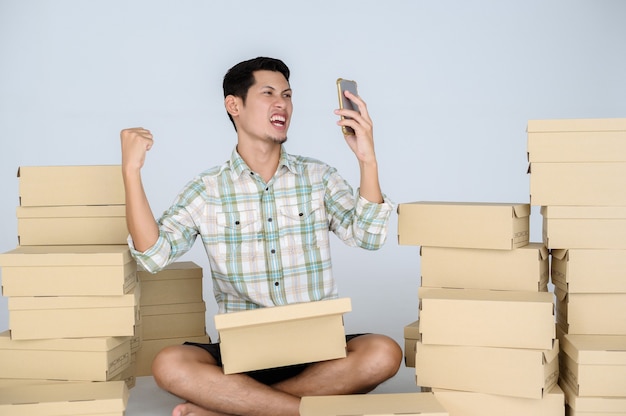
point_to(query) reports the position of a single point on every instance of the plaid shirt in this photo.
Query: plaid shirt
(267, 243)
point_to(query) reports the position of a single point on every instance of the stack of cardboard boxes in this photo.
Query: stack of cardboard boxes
(578, 177)
(485, 339)
(172, 311)
(73, 295)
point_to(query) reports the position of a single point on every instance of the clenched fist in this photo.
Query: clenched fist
(135, 143)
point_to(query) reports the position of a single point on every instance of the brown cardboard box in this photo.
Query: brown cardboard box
(282, 335)
(180, 282)
(466, 403)
(418, 404)
(487, 318)
(106, 270)
(592, 406)
(463, 224)
(411, 336)
(68, 399)
(589, 271)
(74, 316)
(524, 268)
(594, 365)
(505, 371)
(577, 140)
(71, 225)
(41, 186)
(584, 227)
(591, 313)
(173, 321)
(150, 348)
(89, 359)
(579, 184)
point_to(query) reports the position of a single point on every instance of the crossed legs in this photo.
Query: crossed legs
(192, 374)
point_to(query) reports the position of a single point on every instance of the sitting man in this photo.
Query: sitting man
(264, 218)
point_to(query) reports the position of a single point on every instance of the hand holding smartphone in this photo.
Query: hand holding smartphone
(344, 102)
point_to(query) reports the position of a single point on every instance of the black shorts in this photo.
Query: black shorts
(269, 376)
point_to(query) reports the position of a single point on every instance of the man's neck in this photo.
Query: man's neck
(262, 158)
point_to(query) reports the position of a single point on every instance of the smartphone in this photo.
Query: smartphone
(344, 102)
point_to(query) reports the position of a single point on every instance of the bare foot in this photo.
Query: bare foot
(190, 409)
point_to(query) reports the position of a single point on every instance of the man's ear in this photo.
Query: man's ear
(232, 105)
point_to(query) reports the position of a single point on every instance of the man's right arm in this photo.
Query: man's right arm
(139, 218)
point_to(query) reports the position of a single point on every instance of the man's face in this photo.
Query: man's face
(268, 107)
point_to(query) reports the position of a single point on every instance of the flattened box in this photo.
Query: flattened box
(282, 335)
(487, 318)
(418, 404)
(71, 225)
(498, 226)
(88, 359)
(49, 186)
(106, 270)
(525, 268)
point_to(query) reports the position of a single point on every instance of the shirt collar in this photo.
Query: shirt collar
(239, 166)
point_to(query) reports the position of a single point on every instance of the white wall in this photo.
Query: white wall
(450, 86)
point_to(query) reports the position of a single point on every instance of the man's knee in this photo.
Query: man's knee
(381, 353)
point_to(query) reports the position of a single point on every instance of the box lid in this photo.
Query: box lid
(282, 313)
(62, 344)
(593, 405)
(85, 211)
(565, 125)
(176, 270)
(485, 295)
(77, 255)
(372, 404)
(588, 212)
(71, 302)
(65, 398)
(412, 330)
(173, 308)
(518, 210)
(595, 349)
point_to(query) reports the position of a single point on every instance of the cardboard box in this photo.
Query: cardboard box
(592, 406)
(283, 335)
(498, 226)
(68, 271)
(466, 403)
(67, 399)
(418, 404)
(71, 225)
(180, 282)
(525, 268)
(584, 227)
(42, 186)
(590, 183)
(173, 321)
(89, 359)
(74, 316)
(150, 348)
(505, 371)
(577, 140)
(601, 146)
(411, 336)
(594, 365)
(591, 313)
(589, 270)
(488, 318)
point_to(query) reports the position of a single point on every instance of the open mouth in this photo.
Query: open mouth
(278, 120)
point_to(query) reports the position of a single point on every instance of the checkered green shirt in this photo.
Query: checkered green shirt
(267, 243)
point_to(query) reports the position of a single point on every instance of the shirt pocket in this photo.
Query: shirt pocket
(239, 234)
(303, 225)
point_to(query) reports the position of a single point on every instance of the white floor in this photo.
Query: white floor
(147, 399)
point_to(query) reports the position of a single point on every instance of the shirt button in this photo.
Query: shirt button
(267, 189)
(272, 251)
(269, 220)
(276, 284)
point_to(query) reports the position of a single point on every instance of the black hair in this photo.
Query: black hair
(240, 77)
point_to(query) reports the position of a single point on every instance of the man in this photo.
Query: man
(264, 218)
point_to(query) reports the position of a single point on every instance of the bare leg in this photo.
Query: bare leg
(191, 373)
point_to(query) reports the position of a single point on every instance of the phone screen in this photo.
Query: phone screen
(345, 102)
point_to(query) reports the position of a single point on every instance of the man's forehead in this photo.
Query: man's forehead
(273, 79)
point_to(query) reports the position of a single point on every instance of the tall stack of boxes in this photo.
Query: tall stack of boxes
(485, 339)
(172, 311)
(72, 293)
(578, 178)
